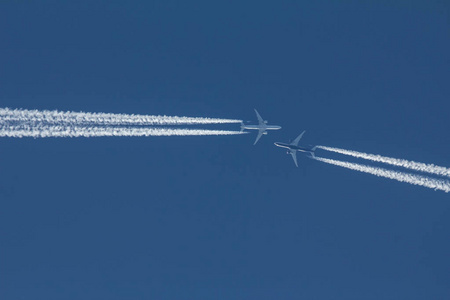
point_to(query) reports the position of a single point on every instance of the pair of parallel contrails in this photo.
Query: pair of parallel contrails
(39, 124)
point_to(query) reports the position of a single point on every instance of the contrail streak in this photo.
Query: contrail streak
(84, 118)
(74, 131)
(436, 184)
(416, 166)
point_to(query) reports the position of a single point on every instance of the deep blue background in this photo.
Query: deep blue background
(215, 217)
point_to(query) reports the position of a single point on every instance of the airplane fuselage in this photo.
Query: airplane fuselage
(295, 148)
(258, 127)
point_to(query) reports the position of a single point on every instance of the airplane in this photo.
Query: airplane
(262, 127)
(293, 148)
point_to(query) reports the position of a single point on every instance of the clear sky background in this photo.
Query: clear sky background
(215, 217)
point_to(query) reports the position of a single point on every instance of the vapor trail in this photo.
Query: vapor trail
(416, 166)
(436, 184)
(84, 118)
(74, 131)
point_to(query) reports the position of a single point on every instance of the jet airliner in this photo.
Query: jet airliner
(293, 148)
(262, 127)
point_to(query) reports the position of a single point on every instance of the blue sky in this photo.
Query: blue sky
(215, 217)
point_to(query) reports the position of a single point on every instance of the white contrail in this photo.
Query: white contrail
(84, 118)
(76, 131)
(416, 166)
(436, 184)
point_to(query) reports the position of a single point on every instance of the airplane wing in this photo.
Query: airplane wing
(295, 142)
(260, 133)
(260, 120)
(294, 157)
